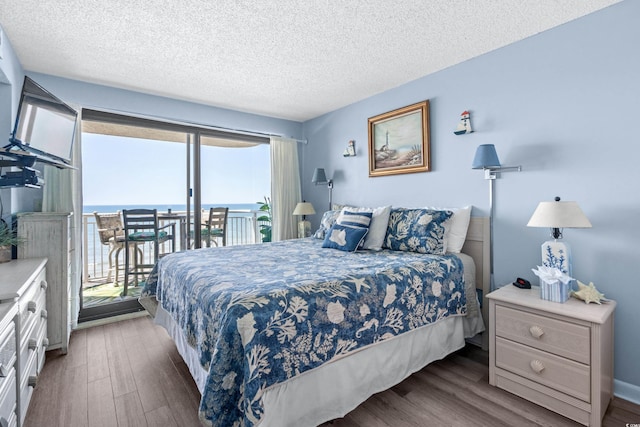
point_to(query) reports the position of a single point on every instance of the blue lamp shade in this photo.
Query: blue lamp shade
(486, 157)
(319, 177)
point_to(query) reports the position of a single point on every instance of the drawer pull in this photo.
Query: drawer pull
(45, 342)
(537, 366)
(4, 371)
(44, 314)
(33, 344)
(31, 306)
(44, 284)
(33, 380)
(536, 331)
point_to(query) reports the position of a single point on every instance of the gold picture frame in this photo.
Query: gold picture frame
(399, 141)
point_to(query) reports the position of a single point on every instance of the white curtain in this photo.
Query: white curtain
(285, 187)
(57, 192)
(62, 192)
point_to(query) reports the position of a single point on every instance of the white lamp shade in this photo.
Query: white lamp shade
(304, 208)
(559, 215)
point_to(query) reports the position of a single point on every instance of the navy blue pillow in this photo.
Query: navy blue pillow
(344, 237)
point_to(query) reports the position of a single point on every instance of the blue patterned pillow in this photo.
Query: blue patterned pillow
(328, 219)
(344, 237)
(416, 230)
(354, 218)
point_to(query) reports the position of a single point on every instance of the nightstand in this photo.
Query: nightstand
(557, 355)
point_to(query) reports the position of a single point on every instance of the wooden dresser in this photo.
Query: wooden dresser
(23, 300)
(558, 355)
(46, 234)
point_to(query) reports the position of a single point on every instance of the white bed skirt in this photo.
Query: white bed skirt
(335, 389)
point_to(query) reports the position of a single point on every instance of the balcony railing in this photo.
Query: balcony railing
(243, 228)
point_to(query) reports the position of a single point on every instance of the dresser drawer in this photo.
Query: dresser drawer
(7, 350)
(559, 373)
(8, 400)
(43, 343)
(27, 384)
(551, 335)
(32, 302)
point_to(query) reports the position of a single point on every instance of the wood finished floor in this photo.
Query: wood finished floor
(129, 373)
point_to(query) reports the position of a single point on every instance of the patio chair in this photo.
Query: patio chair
(142, 226)
(214, 227)
(111, 232)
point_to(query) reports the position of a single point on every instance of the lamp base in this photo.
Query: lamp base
(304, 229)
(557, 255)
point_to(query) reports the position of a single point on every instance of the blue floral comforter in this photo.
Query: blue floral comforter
(259, 315)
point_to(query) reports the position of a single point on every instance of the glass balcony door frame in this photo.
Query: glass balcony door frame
(193, 188)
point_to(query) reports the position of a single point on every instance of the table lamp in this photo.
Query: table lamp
(304, 226)
(557, 215)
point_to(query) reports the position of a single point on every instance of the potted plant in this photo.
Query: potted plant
(7, 239)
(265, 220)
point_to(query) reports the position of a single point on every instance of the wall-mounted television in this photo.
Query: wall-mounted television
(45, 126)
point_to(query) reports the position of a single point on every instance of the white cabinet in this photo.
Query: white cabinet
(23, 335)
(46, 234)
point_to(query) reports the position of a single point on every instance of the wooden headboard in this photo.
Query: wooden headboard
(478, 246)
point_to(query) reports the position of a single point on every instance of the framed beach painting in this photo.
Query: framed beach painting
(399, 141)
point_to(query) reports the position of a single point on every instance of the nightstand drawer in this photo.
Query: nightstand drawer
(556, 372)
(554, 336)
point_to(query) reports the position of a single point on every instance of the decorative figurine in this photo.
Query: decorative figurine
(588, 293)
(465, 124)
(350, 151)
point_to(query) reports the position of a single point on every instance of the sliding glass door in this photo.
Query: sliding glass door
(128, 167)
(180, 170)
(235, 174)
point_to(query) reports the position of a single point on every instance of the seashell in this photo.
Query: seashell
(588, 293)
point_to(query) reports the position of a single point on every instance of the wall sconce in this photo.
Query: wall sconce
(557, 215)
(304, 227)
(486, 159)
(319, 177)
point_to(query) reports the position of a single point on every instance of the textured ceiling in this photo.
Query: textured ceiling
(289, 59)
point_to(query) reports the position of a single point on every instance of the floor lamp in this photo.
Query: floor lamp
(320, 177)
(486, 159)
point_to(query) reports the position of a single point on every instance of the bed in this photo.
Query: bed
(294, 334)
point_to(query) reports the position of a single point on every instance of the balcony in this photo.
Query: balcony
(243, 228)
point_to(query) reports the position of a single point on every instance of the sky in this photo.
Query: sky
(129, 171)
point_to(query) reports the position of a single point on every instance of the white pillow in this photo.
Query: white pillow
(455, 229)
(377, 228)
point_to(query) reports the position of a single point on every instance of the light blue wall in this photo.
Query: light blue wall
(563, 105)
